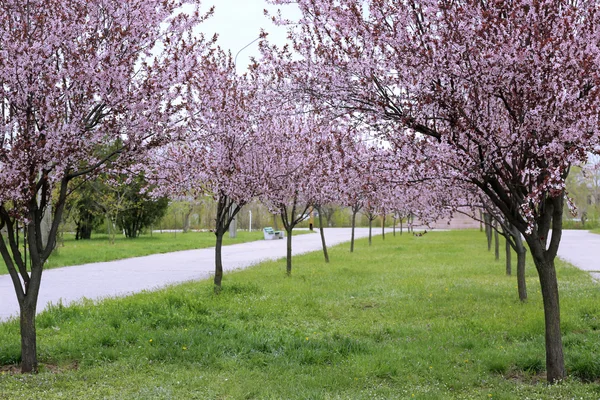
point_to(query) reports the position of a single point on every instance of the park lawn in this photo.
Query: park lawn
(99, 248)
(430, 317)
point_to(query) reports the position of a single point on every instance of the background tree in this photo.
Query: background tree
(325, 185)
(84, 209)
(583, 188)
(138, 209)
(295, 182)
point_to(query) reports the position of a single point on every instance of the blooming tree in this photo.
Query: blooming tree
(506, 93)
(76, 77)
(221, 154)
(293, 163)
(328, 185)
(356, 173)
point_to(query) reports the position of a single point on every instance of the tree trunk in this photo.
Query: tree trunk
(84, 226)
(288, 264)
(544, 264)
(555, 368)
(27, 296)
(383, 227)
(321, 229)
(401, 227)
(496, 242)
(227, 210)
(521, 283)
(29, 361)
(86, 232)
(480, 221)
(329, 218)
(186, 220)
(354, 212)
(521, 256)
(370, 229)
(508, 255)
(488, 230)
(218, 260)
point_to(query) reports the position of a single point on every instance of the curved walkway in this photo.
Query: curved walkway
(582, 249)
(123, 277)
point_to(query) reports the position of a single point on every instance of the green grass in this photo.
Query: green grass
(75, 252)
(428, 317)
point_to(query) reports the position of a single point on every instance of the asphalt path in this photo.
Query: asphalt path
(582, 249)
(124, 277)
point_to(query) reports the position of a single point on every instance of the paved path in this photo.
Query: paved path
(123, 277)
(582, 249)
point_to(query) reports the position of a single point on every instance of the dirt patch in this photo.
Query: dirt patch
(15, 369)
(10, 369)
(528, 378)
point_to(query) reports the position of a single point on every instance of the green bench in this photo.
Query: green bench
(271, 234)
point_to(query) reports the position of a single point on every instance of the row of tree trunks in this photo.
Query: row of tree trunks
(514, 241)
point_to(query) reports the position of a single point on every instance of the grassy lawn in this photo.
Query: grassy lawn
(430, 317)
(75, 252)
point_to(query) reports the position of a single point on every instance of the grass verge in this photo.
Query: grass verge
(428, 317)
(76, 252)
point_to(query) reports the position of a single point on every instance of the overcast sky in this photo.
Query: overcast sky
(238, 22)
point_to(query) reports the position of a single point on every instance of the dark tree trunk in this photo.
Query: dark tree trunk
(85, 232)
(488, 230)
(550, 215)
(496, 242)
(83, 229)
(186, 220)
(27, 284)
(555, 368)
(521, 256)
(226, 212)
(29, 362)
(370, 230)
(322, 232)
(290, 220)
(329, 217)
(218, 260)
(508, 251)
(480, 221)
(521, 282)
(288, 261)
(383, 227)
(515, 241)
(354, 212)
(401, 227)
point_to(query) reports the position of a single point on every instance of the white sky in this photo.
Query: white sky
(238, 22)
